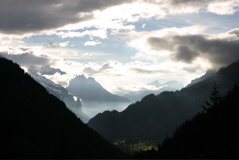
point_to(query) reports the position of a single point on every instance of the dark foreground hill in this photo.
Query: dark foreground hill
(155, 117)
(212, 134)
(35, 124)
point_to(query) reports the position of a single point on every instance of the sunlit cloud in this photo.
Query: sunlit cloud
(123, 44)
(64, 44)
(92, 33)
(223, 7)
(92, 43)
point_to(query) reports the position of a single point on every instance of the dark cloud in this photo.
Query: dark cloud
(191, 1)
(185, 54)
(235, 31)
(27, 58)
(219, 52)
(27, 16)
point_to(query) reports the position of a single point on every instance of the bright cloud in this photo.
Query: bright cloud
(122, 44)
(64, 44)
(92, 43)
(223, 7)
(93, 33)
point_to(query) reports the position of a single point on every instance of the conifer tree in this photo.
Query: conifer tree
(215, 98)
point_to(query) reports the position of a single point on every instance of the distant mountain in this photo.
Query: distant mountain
(35, 124)
(89, 90)
(94, 96)
(61, 93)
(155, 117)
(47, 70)
(168, 86)
(155, 83)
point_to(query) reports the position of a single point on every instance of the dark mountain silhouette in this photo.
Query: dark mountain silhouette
(207, 75)
(36, 124)
(208, 135)
(168, 86)
(61, 93)
(155, 117)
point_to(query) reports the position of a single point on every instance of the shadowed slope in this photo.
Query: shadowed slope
(35, 124)
(155, 117)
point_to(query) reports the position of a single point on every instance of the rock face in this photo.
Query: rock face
(155, 117)
(61, 93)
(95, 98)
(89, 90)
(36, 124)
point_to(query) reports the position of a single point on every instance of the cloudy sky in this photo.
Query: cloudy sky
(123, 44)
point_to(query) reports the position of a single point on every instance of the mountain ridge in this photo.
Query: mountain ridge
(155, 117)
(36, 124)
(61, 93)
(88, 89)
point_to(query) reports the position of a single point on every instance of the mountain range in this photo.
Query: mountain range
(156, 116)
(61, 93)
(36, 124)
(168, 86)
(89, 90)
(95, 98)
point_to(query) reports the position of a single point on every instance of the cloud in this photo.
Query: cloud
(144, 71)
(90, 71)
(234, 31)
(185, 54)
(27, 57)
(87, 54)
(187, 48)
(22, 17)
(105, 67)
(51, 44)
(92, 33)
(34, 17)
(64, 44)
(112, 74)
(228, 7)
(92, 43)
(220, 7)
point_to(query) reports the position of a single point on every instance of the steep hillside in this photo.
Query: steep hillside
(35, 124)
(212, 134)
(168, 86)
(155, 117)
(61, 93)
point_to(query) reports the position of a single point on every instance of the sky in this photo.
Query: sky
(123, 44)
